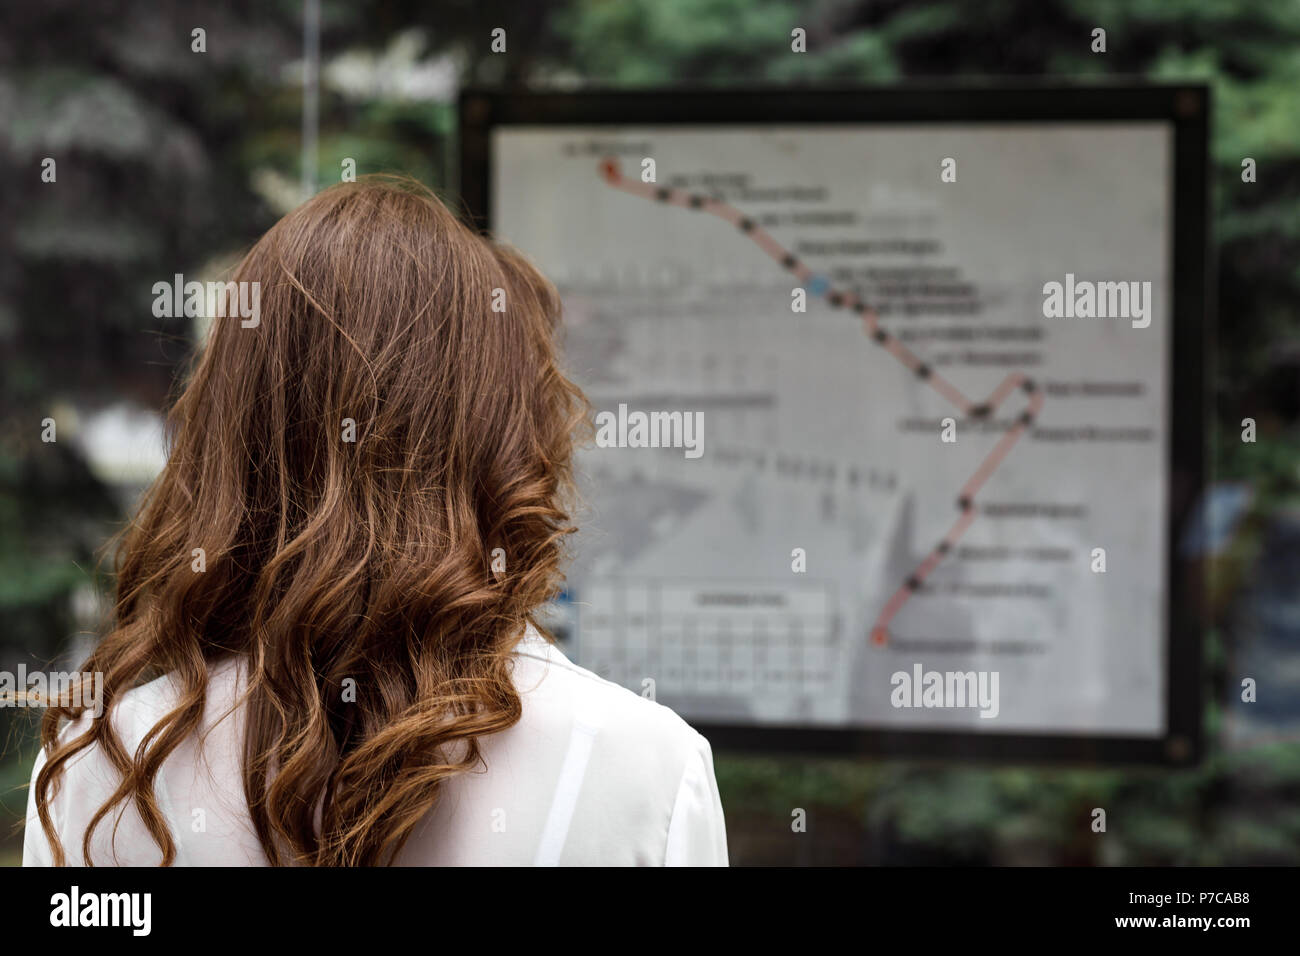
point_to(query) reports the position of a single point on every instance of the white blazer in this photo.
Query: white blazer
(591, 775)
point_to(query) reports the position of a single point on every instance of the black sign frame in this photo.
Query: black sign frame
(1186, 108)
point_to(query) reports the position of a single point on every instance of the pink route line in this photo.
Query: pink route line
(609, 170)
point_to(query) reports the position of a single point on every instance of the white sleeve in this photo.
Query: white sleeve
(36, 849)
(87, 783)
(697, 831)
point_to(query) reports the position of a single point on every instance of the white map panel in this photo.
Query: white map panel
(817, 436)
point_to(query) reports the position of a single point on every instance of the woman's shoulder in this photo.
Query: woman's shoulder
(562, 691)
(584, 748)
(636, 774)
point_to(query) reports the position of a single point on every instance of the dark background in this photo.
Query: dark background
(175, 161)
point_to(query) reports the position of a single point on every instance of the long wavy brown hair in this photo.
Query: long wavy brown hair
(386, 321)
